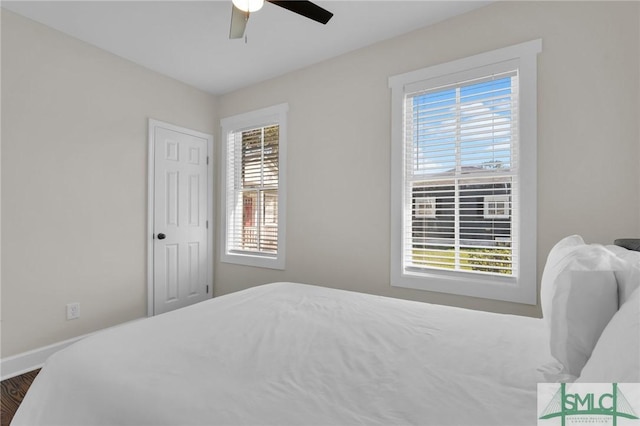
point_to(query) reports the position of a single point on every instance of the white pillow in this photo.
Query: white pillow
(557, 259)
(629, 277)
(616, 357)
(571, 253)
(584, 302)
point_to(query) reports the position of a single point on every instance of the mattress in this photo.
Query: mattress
(295, 354)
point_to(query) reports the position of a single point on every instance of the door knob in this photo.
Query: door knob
(161, 236)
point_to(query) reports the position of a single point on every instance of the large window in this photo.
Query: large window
(463, 176)
(253, 223)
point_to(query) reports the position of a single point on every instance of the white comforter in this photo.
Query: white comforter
(293, 354)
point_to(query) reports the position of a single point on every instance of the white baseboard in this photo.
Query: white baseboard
(27, 361)
(31, 360)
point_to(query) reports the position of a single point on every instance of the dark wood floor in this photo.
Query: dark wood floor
(11, 393)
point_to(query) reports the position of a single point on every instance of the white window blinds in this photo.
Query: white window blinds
(461, 144)
(252, 190)
(463, 175)
(254, 165)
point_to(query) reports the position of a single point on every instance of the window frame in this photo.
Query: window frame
(276, 114)
(522, 286)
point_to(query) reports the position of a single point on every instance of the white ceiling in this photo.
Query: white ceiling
(188, 40)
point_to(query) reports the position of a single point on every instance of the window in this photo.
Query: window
(425, 207)
(254, 170)
(497, 207)
(464, 175)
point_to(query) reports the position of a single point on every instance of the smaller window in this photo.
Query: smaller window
(253, 172)
(496, 207)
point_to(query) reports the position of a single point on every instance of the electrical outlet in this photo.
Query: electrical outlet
(73, 311)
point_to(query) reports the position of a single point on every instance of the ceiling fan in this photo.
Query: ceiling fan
(242, 9)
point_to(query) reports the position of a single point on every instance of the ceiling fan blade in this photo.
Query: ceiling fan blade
(305, 8)
(238, 22)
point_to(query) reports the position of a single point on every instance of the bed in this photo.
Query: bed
(296, 354)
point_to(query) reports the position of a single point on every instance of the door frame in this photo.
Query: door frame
(153, 124)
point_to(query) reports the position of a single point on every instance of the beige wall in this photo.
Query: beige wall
(339, 132)
(74, 175)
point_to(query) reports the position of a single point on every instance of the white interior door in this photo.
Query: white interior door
(180, 237)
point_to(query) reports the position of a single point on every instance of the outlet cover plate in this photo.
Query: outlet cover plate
(73, 311)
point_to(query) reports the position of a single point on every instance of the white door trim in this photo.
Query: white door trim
(151, 203)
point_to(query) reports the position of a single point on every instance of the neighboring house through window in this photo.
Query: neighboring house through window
(464, 176)
(253, 171)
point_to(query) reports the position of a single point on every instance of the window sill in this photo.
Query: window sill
(255, 260)
(509, 289)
